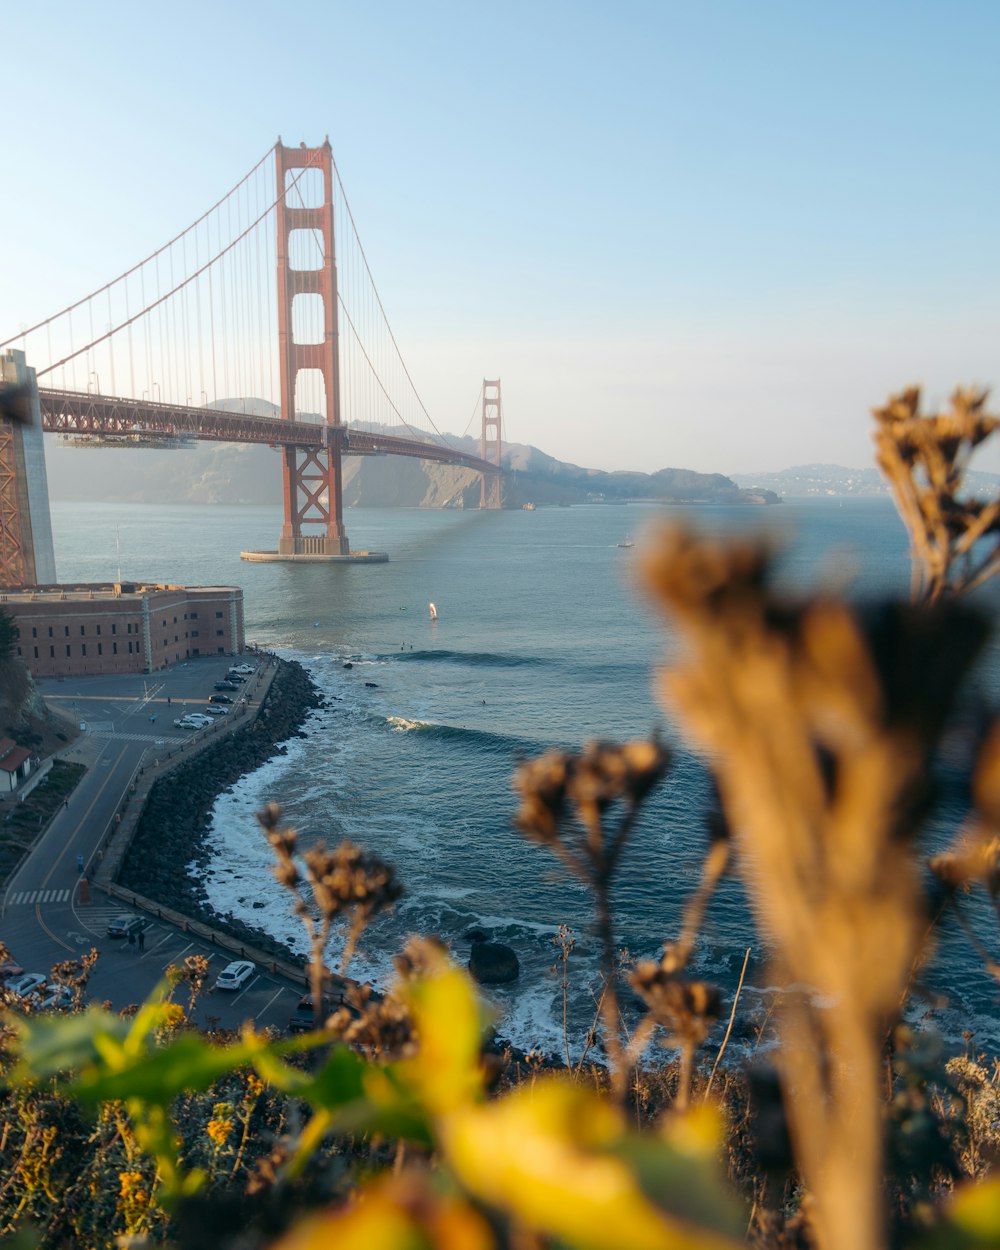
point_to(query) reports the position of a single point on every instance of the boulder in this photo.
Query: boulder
(493, 963)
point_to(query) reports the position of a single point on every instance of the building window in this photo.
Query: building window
(218, 616)
(219, 633)
(52, 653)
(114, 628)
(194, 633)
(83, 648)
(100, 648)
(68, 651)
(194, 616)
(129, 627)
(66, 628)
(114, 648)
(130, 648)
(50, 631)
(35, 649)
(83, 630)
(98, 631)
(34, 632)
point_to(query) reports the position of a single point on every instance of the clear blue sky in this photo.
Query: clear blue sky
(707, 235)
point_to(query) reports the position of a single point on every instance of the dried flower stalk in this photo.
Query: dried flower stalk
(954, 542)
(820, 740)
(567, 802)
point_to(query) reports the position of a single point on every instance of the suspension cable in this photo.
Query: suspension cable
(114, 281)
(180, 286)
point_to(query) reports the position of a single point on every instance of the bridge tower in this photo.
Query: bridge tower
(491, 493)
(312, 476)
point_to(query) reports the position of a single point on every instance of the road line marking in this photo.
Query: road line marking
(270, 1003)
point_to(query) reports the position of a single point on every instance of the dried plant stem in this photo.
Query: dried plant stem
(729, 1026)
(609, 998)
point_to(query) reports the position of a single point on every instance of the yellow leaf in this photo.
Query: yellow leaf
(555, 1157)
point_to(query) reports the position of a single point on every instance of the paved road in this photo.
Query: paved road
(48, 913)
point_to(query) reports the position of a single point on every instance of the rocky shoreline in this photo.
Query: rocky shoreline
(172, 832)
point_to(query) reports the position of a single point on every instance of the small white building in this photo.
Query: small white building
(16, 764)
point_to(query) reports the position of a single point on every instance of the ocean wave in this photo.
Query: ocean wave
(486, 659)
(485, 738)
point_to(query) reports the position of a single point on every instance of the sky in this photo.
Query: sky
(704, 235)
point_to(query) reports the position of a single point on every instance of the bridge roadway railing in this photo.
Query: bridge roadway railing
(76, 412)
(105, 864)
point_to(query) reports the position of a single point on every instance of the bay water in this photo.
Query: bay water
(543, 638)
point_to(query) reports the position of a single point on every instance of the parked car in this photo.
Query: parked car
(56, 998)
(303, 1018)
(236, 678)
(23, 985)
(235, 975)
(219, 698)
(213, 709)
(225, 685)
(10, 969)
(121, 926)
(199, 716)
(245, 669)
(189, 722)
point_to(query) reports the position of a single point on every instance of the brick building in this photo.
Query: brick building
(122, 627)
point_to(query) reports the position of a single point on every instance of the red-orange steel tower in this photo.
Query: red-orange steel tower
(490, 446)
(312, 476)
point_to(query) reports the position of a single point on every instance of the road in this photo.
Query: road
(49, 913)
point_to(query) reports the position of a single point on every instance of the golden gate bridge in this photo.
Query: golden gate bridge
(167, 350)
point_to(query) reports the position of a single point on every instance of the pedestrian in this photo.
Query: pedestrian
(79, 864)
(142, 939)
(131, 939)
(65, 804)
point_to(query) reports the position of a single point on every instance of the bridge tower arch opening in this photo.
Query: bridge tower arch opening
(491, 447)
(313, 499)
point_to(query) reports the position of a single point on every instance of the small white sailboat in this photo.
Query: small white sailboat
(626, 542)
(433, 611)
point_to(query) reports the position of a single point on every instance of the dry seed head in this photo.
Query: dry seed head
(421, 957)
(687, 1010)
(349, 879)
(541, 783)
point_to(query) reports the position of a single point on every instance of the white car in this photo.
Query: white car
(189, 722)
(213, 709)
(26, 984)
(202, 716)
(244, 669)
(235, 975)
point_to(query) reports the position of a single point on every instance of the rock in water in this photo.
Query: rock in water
(493, 963)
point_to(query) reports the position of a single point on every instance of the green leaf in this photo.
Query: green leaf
(184, 1064)
(49, 1045)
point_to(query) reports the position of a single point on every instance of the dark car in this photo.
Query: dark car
(121, 926)
(235, 678)
(225, 685)
(303, 1018)
(219, 698)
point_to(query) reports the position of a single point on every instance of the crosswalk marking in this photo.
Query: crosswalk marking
(27, 897)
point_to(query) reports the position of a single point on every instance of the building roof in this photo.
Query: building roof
(14, 759)
(6, 744)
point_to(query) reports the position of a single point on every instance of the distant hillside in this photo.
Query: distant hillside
(241, 474)
(836, 480)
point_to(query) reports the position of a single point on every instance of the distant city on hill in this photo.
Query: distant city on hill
(837, 481)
